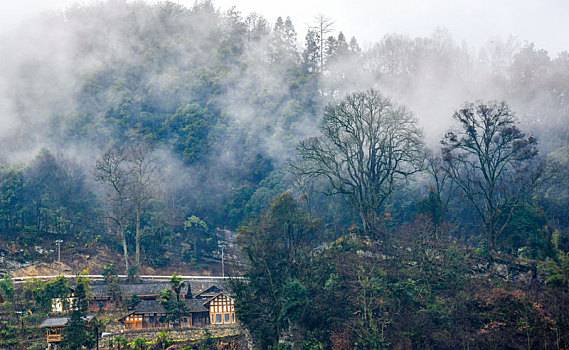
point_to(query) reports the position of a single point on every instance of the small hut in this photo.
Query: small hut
(54, 329)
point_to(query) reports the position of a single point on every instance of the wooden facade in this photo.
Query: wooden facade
(103, 304)
(54, 334)
(221, 309)
(150, 314)
(146, 321)
(139, 321)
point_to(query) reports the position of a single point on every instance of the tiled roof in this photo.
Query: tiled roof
(150, 306)
(129, 289)
(54, 322)
(154, 306)
(60, 321)
(155, 288)
(198, 287)
(196, 305)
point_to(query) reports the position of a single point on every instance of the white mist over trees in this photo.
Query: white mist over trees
(148, 135)
(224, 98)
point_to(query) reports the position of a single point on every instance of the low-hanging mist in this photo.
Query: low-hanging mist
(225, 97)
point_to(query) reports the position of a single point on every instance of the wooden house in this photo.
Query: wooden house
(221, 309)
(102, 299)
(54, 329)
(150, 314)
(209, 304)
(62, 305)
(149, 290)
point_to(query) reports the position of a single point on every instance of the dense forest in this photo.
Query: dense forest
(373, 188)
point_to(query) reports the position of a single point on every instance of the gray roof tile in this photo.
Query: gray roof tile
(60, 321)
(155, 288)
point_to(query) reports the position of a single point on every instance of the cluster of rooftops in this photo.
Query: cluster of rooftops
(207, 302)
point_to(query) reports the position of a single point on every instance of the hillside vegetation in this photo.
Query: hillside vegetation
(367, 185)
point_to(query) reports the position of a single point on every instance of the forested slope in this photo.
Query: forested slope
(217, 101)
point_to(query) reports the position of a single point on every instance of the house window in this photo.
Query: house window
(226, 318)
(232, 318)
(152, 319)
(217, 318)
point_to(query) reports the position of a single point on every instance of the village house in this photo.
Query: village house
(150, 314)
(146, 290)
(207, 302)
(102, 300)
(221, 309)
(61, 305)
(54, 329)
(208, 305)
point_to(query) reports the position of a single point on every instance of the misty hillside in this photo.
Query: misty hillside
(222, 98)
(148, 136)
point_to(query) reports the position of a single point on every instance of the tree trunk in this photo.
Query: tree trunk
(369, 221)
(492, 230)
(364, 222)
(137, 241)
(125, 251)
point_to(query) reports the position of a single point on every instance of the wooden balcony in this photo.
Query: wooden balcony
(53, 338)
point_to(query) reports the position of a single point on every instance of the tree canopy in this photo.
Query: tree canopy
(488, 157)
(369, 146)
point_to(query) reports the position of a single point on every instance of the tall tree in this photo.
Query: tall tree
(342, 44)
(129, 174)
(110, 170)
(354, 46)
(11, 201)
(177, 285)
(487, 157)
(199, 234)
(311, 54)
(283, 42)
(323, 26)
(257, 27)
(276, 246)
(368, 146)
(175, 308)
(289, 34)
(144, 167)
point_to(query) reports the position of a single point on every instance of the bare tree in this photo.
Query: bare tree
(323, 26)
(440, 192)
(129, 174)
(144, 170)
(488, 158)
(368, 146)
(111, 170)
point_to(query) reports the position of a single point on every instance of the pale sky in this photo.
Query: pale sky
(543, 22)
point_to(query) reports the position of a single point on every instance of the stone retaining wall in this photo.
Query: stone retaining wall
(174, 333)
